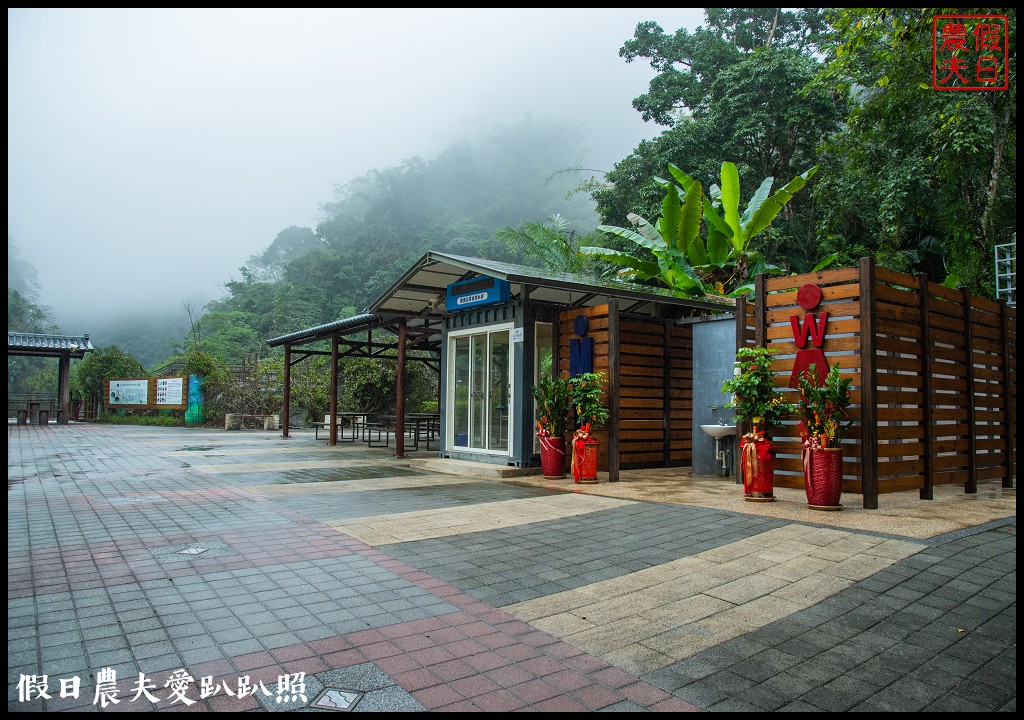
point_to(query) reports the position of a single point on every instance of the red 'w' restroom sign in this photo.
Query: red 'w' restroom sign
(810, 328)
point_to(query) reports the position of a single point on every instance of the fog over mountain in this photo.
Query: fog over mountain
(152, 151)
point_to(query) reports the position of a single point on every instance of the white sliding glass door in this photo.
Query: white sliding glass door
(480, 389)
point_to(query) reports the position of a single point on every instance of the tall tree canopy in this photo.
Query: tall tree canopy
(917, 177)
(730, 91)
(924, 181)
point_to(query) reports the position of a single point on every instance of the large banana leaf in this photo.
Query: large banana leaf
(627, 234)
(646, 229)
(689, 225)
(669, 222)
(639, 269)
(755, 202)
(682, 178)
(677, 273)
(730, 189)
(762, 216)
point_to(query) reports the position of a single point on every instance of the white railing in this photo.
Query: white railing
(1006, 272)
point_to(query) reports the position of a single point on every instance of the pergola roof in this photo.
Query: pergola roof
(421, 290)
(364, 321)
(48, 345)
(355, 336)
(418, 299)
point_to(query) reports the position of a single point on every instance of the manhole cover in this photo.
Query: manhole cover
(198, 448)
(334, 699)
(137, 500)
(184, 552)
(192, 551)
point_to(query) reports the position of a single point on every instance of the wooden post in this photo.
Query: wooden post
(614, 416)
(1007, 400)
(63, 387)
(400, 391)
(285, 411)
(928, 491)
(666, 396)
(332, 434)
(971, 486)
(741, 342)
(741, 321)
(761, 310)
(868, 386)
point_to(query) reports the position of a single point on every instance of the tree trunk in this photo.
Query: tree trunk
(1002, 128)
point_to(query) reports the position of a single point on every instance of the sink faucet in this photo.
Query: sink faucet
(721, 421)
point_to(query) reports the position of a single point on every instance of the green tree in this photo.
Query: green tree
(922, 180)
(88, 374)
(732, 88)
(553, 244)
(721, 261)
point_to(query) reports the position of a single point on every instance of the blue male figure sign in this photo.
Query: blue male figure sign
(581, 348)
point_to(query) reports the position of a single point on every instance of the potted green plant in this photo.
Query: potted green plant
(824, 418)
(591, 415)
(759, 403)
(554, 401)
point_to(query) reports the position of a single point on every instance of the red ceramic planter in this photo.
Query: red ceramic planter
(758, 465)
(552, 457)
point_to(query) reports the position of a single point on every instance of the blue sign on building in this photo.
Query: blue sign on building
(475, 292)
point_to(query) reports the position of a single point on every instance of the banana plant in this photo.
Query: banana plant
(718, 262)
(672, 240)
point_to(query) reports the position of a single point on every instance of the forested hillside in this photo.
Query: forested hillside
(378, 224)
(924, 181)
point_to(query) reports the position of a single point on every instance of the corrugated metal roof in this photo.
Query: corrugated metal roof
(363, 321)
(420, 293)
(46, 344)
(421, 288)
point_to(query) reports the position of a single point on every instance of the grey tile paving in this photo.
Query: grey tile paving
(96, 517)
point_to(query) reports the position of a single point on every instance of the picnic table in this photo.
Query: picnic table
(419, 426)
(354, 421)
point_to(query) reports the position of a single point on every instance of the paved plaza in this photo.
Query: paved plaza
(170, 568)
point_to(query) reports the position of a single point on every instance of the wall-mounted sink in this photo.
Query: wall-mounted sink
(719, 431)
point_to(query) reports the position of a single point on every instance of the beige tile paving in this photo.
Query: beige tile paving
(285, 465)
(343, 486)
(229, 450)
(901, 513)
(654, 617)
(444, 522)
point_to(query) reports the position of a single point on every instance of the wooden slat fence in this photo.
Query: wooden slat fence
(934, 373)
(655, 386)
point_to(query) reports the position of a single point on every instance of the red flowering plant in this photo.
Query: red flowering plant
(554, 398)
(755, 397)
(591, 413)
(824, 410)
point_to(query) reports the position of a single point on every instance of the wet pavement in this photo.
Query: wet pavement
(224, 571)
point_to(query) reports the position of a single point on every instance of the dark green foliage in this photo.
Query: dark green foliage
(731, 90)
(137, 419)
(756, 398)
(554, 396)
(88, 374)
(924, 181)
(29, 374)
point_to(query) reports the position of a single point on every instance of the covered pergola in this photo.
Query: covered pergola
(353, 337)
(62, 347)
(414, 309)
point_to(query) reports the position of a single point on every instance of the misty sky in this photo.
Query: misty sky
(151, 151)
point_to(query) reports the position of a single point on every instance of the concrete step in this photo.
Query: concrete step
(474, 469)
